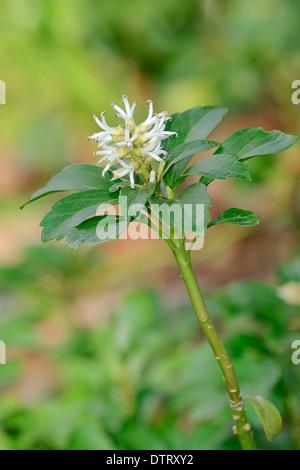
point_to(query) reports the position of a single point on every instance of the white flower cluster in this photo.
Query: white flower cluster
(131, 148)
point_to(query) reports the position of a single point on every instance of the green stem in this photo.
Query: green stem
(242, 428)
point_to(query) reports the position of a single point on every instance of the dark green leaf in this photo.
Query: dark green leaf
(220, 166)
(119, 185)
(236, 217)
(85, 233)
(193, 124)
(254, 141)
(79, 177)
(186, 150)
(268, 415)
(174, 175)
(133, 200)
(193, 195)
(71, 211)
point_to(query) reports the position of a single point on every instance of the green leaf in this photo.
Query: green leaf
(174, 175)
(71, 211)
(118, 185)
(79, 177)
(187, 149)
(254, 141)
(220, 166)
(196, 194)
(132, 200)
(85, 233)
(193, 124)
(236, 217)
(268, 415)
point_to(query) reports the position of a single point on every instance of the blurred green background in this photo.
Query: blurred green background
(103, 351)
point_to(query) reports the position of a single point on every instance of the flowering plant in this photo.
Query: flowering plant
(144, 165)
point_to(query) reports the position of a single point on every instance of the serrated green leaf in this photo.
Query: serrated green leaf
(268, 415)
(71, 211)
(79, 177)
(254, 141)
(193, 124)
(220, 166)
(236, 217)
(132, 200)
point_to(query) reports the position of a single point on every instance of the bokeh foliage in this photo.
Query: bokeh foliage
(142, 378)
(126, 384)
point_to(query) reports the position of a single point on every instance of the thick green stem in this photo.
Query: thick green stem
(242, 428)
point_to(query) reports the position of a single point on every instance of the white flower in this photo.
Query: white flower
(131, 148)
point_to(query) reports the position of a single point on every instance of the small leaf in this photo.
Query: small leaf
(71, 211)
(268, 415)
(254, 141)
(236, 217)
(79, 177)
(132, 200)
(220, 166)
